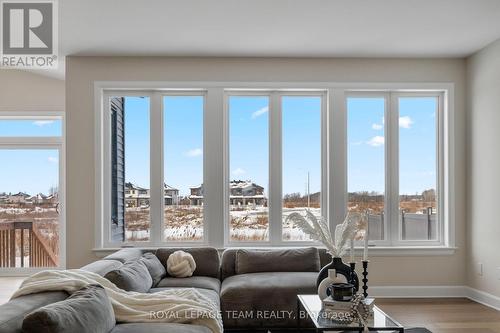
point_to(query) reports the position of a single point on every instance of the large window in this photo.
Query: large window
(183, 167)
(393, 164)
(249, 168)
(225, 166)
(31, 210)
(275, 163)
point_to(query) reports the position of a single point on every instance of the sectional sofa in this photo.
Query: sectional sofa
(250, 286)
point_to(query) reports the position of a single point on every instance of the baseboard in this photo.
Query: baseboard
(484, 298)
(475, 295)
(417, 291)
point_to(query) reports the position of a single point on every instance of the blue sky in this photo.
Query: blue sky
(29, 170)
(417, 147)
(36, 170)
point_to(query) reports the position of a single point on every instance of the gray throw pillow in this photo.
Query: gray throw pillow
(154, 266)
(283, 260)
(132, 276)
(87, 310)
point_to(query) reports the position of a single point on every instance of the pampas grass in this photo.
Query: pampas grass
(318, 229)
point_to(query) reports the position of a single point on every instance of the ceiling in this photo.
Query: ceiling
(277, 28)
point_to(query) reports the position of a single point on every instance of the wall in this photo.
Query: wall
(483, 169)
(81, 72)
(24, 91)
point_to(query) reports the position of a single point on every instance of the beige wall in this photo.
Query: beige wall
(24, 91)
(81, 72)
(483, 169)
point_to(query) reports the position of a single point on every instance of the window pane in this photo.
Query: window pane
(31, 127)
(183, 167)
(137, 189)
(301, 133)
(417, 168)
(249, 168)
(366, 156)
(29, 207)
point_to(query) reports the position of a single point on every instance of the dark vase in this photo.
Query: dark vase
(338, 265)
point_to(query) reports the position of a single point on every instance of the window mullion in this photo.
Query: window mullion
(275, 169)
(392, 168)
(156, 168)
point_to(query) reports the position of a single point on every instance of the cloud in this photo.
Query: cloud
(376, 141)
(194, 152)
(52, 159)
(377, 127)
(238, 172)
(260, 112)
(405, 122)
(41, 123)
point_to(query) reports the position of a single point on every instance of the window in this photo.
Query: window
(31, 200)
(418, 168)
(248, 168)
(301, 123)
(263, 189)
(136, 158)
(183, 167)
(366, 160)
(393, 139)
(225, 166)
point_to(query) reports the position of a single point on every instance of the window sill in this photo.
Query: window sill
(374, 251)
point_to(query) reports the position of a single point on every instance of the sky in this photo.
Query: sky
(36, 171)
(29, 170)
(417, 144)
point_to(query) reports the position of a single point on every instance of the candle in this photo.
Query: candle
(365, 250)
(352, 249)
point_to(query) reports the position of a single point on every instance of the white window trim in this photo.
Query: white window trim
(41, 142)
(392, 227)
(214, 139)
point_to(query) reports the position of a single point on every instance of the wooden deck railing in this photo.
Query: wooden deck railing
(23, 239)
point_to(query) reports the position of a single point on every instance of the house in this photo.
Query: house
(38, 199)
(136, 196)
(171, 195)
(242, 193)
(19, 197)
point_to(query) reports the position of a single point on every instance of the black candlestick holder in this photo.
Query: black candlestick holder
(352, 279)
(365, 277)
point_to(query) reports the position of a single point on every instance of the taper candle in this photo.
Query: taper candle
(352, 249)
(365, 250)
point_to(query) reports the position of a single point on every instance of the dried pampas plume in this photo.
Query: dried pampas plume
(318, 229)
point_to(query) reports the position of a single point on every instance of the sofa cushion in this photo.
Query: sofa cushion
(131, 276)
(204, 282)
(102, 267)
(259, 292)
(12, 313)
(87, 310)
(126, 254)
(282, 260)
(159, 328)
(154, 266)
(206, 258)
(210, 294)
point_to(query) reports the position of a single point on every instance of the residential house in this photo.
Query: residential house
(242, 193)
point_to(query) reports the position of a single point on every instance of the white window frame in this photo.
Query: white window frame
(216, 164)
(392, 225)
(41, 142)
(156, 165)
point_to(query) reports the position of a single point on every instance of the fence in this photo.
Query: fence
(413, 226)
(22, 245)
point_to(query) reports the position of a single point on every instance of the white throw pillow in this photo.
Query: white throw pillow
(181, 264)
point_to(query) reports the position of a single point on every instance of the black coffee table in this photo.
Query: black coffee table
(313, 307)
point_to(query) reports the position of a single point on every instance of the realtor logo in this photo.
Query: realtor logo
(29, 34)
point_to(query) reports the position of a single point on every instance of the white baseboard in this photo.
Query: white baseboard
(417, 291)
(484, 298)
(475, 295)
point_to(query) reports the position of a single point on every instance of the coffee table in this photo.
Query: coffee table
(313, 307)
